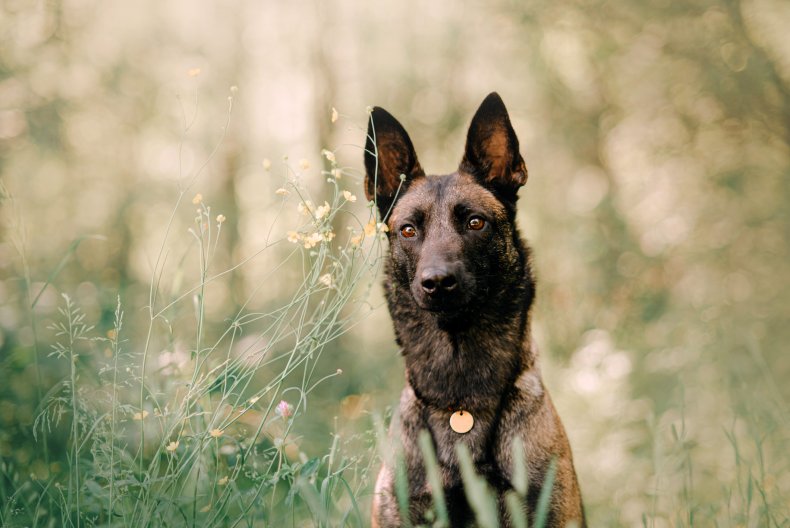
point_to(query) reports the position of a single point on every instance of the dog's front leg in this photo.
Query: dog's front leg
(404, 445)
(386, 509)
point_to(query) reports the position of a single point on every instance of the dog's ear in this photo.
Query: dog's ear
(389, 153)
(491, 154)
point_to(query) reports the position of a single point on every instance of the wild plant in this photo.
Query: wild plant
(191, 421)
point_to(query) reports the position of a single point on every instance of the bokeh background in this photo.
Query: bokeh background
(656, 136)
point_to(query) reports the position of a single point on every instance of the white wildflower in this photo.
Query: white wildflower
(322, 210)
(312, 240)
(216, 433)
(328, 154)
(305, 207)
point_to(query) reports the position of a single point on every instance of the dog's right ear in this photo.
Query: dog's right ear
(389, 153)
(492, 154)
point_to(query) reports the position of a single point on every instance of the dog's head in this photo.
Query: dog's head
(453, 237)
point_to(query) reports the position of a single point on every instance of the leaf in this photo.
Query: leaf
(310, 467)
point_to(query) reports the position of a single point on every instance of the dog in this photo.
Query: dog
(459, 288)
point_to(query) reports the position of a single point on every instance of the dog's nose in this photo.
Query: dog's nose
(434, 281)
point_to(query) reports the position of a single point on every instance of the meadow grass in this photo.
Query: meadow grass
(149, 448)
(206, 439)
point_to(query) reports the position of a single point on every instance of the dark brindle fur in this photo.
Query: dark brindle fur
(460, 297)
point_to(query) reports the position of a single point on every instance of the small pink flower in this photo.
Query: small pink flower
(284, 409)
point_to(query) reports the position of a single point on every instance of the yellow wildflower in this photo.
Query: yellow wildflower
(348, 196)
(370, 229)
(304, 164)
(282, 191)
(328, 154)
(326, 280)
(197, 199)
(216, 433)
(223, 481)
(172, 446)
(357, 239)
(221, 218)
(140, 415)
(312, 240)
(305, 207)
(294, 237)
(382, 227)
(329, 235)
(322, 210)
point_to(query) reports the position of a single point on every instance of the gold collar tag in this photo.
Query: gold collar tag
(461, 422)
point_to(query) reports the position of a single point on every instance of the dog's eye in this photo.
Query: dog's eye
(476, 223)
(408, 231)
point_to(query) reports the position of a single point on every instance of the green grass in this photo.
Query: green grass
(206, 439)
(212, 445)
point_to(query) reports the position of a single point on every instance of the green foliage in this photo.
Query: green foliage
(209, 439)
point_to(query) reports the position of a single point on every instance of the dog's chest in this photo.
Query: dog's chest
(477, 440)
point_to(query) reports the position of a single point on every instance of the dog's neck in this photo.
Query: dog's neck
(471, 362)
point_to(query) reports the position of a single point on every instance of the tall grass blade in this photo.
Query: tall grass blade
(434, 479)
(62, 263)
(542, 512)
(515, 508)
(477, 491)
(402, 490)
(520, 478)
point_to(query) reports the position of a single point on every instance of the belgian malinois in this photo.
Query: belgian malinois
(459, 287)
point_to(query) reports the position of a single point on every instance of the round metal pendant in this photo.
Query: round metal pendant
(462, 422)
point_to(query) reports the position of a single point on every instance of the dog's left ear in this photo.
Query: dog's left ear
(491, 153)
(390, 160)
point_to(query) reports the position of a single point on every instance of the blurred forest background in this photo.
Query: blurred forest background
(658, 208)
